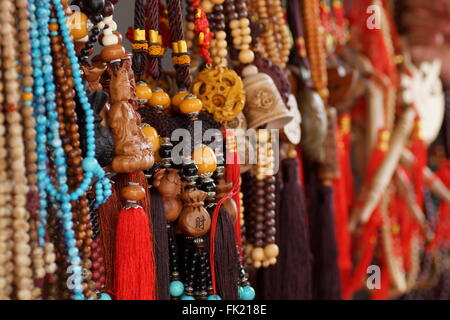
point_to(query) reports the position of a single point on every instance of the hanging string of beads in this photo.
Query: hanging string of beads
(275, 40)
(22, 273)
(239, 24)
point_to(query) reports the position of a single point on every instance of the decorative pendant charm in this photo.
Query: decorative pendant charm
(221, 91)
(264, 103)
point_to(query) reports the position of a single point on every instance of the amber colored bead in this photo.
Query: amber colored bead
(77, 23)
(27, 96)
(205, 159)
(191, 104)
(271, 250)
(133, 192)
(113, 52)
(143, 91)
(152, 135)
(177, 99)
(159, 98)
(54, 26)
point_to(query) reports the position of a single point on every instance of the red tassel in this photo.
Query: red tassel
(419, 149)
(233, 174)
(385, 283)
(134, 267)
(342, 205)
(370, 229)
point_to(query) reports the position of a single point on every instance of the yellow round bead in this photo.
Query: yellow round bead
(143, 91)
(271, 251)
(258, 254)
(27, 96)
(205, 159)
(151, 134)
(77, 23)
(53, 26)
(177, 99)
(190, 104)
(159, 98)
(246, 56)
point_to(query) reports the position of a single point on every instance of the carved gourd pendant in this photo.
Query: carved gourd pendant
(194, 220)
(168, 183)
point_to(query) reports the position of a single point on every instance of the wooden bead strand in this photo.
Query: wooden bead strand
(219, 52)
(276, 44)
(22, 273)
(69, 131)
(239, 25)
(29, 135)
(315, 46)
(6, 265)
(261, 249)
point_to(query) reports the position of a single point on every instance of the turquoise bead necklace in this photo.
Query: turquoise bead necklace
(49, 143)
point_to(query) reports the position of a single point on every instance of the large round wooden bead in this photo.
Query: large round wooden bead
(151, 134)
(191, 105)
(159, 98)
(172, 208)
(77, 23)
(143, 92)
(257, 254)
(246, 56)
(113, 52)
(133, 192)
(271, 251)
(205, 159)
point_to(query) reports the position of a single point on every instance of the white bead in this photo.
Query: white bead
(109, 38)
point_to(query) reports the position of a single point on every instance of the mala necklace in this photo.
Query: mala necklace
(65, 103)
(239, 25)
(315, 46)
(42, 263)
(48, 127)
(275, 43)
(22, 273)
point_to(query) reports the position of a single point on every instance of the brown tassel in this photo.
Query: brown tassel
(226, 257)
(325, 275)
(294, 262)
(161, 245)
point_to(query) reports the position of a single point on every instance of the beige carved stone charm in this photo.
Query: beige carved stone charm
(422, 87)
(314, 124)
(292, 130)
(221, 91)
(132, 152)
(264, 103)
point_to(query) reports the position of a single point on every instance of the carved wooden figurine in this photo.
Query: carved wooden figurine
(133, 152)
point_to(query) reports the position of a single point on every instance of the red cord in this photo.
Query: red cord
(234, 175)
